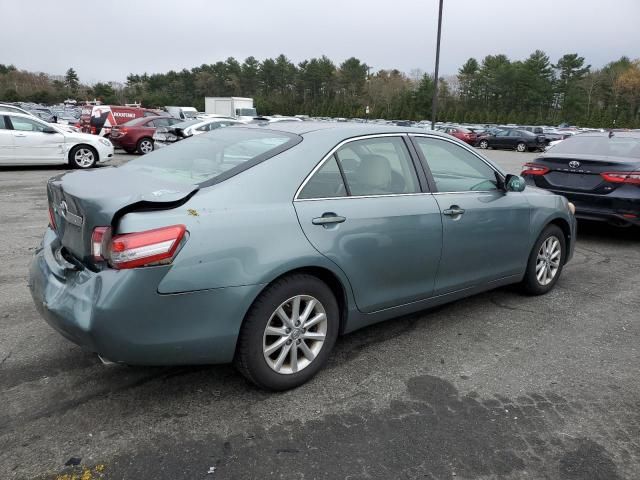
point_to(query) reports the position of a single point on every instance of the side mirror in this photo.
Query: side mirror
(514, 183)
(49, 130)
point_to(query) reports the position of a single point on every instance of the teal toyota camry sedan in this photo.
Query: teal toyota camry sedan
(260, 244)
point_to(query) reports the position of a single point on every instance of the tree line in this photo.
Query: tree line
(493, 90)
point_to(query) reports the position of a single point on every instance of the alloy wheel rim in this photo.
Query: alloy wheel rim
(295, 334)
(84, 157)
(521, 147)
(484, 144)
(548, 260)
(146, 146)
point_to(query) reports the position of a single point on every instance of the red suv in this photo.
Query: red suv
(463, 134)
(137, 135)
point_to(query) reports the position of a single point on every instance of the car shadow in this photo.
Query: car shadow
(590, 230)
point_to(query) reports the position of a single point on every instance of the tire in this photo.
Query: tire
(521, 147)
(258, 353)
(83, 156)
(484, 144)
(531, 284)
(145, 145)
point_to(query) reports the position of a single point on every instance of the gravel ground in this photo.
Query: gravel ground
(494, 386)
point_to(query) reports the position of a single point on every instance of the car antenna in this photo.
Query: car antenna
(610, 133)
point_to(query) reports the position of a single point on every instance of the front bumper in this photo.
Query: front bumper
(621, 209)
(105, 152)
(120, 315)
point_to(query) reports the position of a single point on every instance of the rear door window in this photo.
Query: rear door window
(327, 182)
(373, 166)
(378, 166)
(3, 124)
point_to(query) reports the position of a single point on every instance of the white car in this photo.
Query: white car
(65, 124)
(167, 135)
(26, 140)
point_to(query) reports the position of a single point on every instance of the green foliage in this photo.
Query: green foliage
(71, 81)
(494, 89)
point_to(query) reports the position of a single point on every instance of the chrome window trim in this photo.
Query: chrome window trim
(468, 149)
(381, 195)
(328, 156)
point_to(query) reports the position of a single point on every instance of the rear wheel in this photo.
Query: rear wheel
(545, 261)
(521, 147)
(145, 145)
(288, 333)
(484, 144)
(83, 156)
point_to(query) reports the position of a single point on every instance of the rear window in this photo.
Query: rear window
(215, 156)
(135, 121)
(600, 145)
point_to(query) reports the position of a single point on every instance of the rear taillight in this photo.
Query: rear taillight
(152, 247)
(622, 177)
(533, 169)
(100, 242)
(52, 219)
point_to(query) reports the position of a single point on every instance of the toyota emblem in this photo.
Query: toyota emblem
(63, 209)
(574, 164)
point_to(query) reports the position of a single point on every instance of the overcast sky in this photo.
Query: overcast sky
(105, 41)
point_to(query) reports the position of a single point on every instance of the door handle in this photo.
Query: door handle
(328, 219)
(453, 211)
(19, 135)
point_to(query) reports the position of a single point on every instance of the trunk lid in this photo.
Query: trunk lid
(84, 200)
(581, 173)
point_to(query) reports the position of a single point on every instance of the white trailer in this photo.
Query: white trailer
(234, 107)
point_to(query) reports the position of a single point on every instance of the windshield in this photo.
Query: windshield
(212, 157)
(601, 145)
(186, 123)
(189, 114)
(246, 112)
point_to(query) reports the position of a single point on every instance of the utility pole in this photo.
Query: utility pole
(434, 108)
(368, 91)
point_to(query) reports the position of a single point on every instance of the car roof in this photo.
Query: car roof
(23, 115)
(629, 134)
(339, 128)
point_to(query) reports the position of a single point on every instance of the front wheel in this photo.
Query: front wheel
(83, 156)
(545, 262)
(288, 333)
(484, 144)
(521, 147)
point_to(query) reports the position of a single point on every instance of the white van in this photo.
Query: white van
(183, 113)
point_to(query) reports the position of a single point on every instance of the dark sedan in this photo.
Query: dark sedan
(514, 139)
(598, 172)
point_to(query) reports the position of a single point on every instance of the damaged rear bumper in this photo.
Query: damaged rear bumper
(120, 315)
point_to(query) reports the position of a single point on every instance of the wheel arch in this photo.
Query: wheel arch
(80, 145)
(566, 230)
(330, 278)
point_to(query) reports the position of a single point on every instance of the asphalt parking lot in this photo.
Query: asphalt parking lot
(495, 386)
